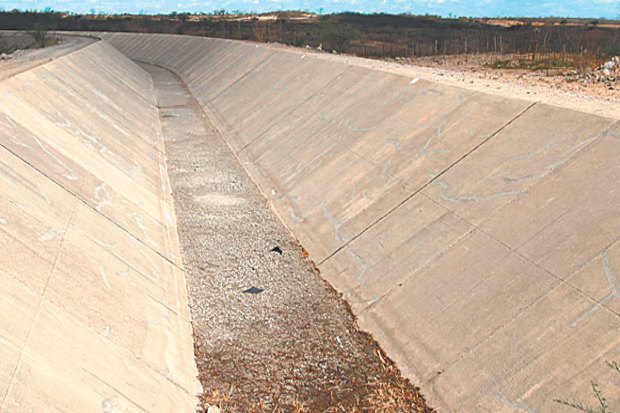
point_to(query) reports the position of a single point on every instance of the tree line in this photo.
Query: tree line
(368, 35)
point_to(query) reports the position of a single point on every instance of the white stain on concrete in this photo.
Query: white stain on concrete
(104, 277)
(124, 273)
(101, 196)
(69, 174)
(102, 243)
(44, 195)
(51, 234)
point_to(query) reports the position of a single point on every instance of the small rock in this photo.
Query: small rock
(213, 409)
(253, 290)
(609, 65)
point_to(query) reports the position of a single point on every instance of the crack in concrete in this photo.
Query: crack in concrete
(395, 142)
(613, 286)
(445, 187)
(335, 222)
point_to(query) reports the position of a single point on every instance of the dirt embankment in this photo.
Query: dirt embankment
(599, 82)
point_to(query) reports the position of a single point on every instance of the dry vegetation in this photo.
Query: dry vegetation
(32, 39)
(389, 393)
(553, 44)
(601, 404)
(376, 35)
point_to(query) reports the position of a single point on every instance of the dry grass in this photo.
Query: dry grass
(395, 394)
(547, 62)
(390, 393)
(215, 398)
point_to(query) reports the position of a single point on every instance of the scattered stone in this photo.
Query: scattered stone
(610, 65)
(213, 409)
(608, 72)
(277, 249)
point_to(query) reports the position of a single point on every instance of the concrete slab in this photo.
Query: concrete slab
(573, 221)
(524, 153)
(95, 312)
(30, 229)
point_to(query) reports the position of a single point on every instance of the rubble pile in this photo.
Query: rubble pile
(608, 73)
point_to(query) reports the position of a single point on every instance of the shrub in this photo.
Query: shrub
(602, 407)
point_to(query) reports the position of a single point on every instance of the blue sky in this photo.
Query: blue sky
(473, 8)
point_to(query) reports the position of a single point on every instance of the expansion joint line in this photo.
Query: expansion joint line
(382, 217)
(85, 203)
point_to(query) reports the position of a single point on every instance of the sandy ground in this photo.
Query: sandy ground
(597, 99)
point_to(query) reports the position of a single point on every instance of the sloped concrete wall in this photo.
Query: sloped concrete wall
(93, 306)
(475, 236)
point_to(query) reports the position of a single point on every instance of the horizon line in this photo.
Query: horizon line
(226, 12)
